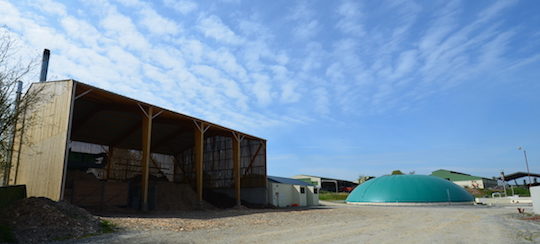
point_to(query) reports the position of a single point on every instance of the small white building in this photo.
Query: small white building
(535, 196)
(287, 192)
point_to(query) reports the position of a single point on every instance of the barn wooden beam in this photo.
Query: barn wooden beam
(236, 165)
(110, 153)
(83, 93)
(250, 166)
(200, 128)
(145, 160)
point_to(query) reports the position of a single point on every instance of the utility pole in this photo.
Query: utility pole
(504, 183)
(527, 164)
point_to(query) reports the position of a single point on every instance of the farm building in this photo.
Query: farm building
(524, 178)
(409, 189)
(328, 184)
(465, 180)
(94, 148)
(284, 192)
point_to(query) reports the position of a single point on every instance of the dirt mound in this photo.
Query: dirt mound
(39, 219)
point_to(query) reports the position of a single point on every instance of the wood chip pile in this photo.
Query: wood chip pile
(39, 219)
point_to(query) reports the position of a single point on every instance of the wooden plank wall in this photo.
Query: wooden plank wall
(42, 151)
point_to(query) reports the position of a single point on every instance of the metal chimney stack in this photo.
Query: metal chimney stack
(44, 65)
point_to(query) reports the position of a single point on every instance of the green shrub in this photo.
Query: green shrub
(107, 226)
(333, 196)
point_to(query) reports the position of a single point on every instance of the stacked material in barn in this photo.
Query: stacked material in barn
(409, 189)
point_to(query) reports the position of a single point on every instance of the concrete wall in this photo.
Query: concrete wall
(280, 195)
(312, 197)
(535, 196)
(284, 195)
(299, 195)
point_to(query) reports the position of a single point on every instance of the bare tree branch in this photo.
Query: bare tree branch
(12, 70)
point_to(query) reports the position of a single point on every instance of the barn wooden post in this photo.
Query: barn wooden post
(145, 160)
(109, 161)
(236, 166)
(199, 154)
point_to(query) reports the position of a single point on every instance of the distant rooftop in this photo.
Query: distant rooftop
(284, 180)
(455, 176)
(325, 178)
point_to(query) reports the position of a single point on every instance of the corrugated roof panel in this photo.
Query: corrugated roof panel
(284, 180)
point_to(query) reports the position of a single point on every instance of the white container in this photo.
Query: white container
(535, 196)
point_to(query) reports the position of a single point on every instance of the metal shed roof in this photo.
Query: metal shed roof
(455, 176)
(284, 180)
(518, 175)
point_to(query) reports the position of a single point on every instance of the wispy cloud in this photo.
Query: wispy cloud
(350, 18)
(212, 26)
(182, 6)
(247, 69)
(305, 24)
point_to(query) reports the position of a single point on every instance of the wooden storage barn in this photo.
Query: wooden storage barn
(95, 148)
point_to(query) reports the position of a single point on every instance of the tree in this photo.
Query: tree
(362, 179)
(12, 105)
(397, 172)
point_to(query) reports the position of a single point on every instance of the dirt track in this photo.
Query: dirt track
(330, 224)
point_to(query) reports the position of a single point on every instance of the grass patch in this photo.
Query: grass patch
(333, 196)
(107, 226)
(6, 234)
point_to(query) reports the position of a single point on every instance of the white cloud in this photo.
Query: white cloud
(213, 27)
(50, 7)
(262, 89)
(350, 22)
(157, 24)
(406, 62)
(225, 60)
(305, 25)
(306, 30)
(121, 28)
(182, 6)
(81, 30)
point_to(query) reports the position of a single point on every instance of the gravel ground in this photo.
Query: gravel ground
(334, 223)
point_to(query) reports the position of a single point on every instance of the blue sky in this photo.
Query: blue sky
(338, 88)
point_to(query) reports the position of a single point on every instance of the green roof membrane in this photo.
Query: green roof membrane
(408, 189)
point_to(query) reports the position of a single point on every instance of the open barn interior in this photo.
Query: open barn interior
(105, 169)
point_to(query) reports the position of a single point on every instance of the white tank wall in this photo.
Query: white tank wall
(535, 196)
